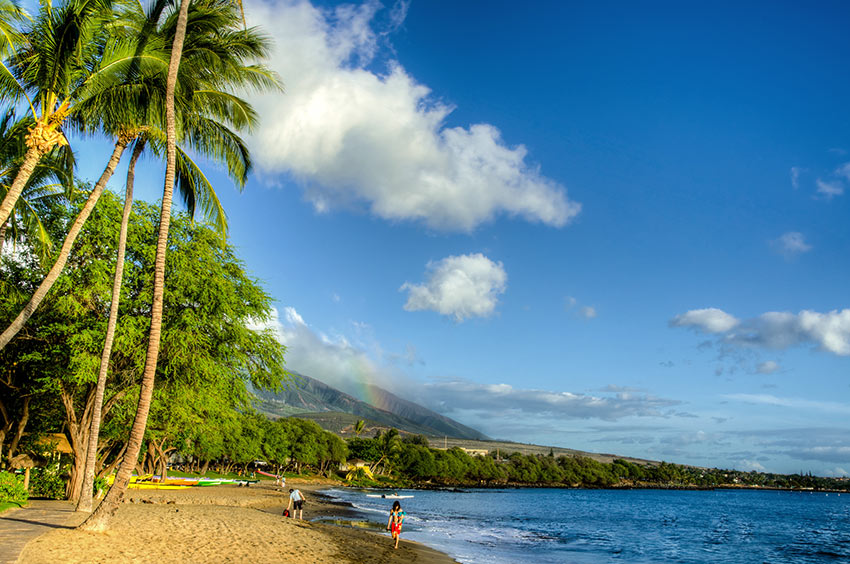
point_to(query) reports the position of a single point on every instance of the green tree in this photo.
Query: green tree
(209, 351)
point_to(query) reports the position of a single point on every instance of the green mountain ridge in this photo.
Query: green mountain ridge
(312, 399)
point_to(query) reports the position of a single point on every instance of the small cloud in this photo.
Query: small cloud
(708, 320)
(615, 389)
(844, 171)
(767, 367)
(791, 244)
(459, 286)
(795, 176)
(748, 465)
(588, 312)
(335, 298)
(829, 190)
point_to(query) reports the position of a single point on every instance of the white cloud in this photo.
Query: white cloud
(459, 286)
(776, 330)
(767, 367)
(292, 316)
(748, 465)
(844, 171)
(331, 359)
(793, 403)
(708, 320)
(584, 311)
(795, 176)
(588, 312)
(501, 399)
(791, 244)
(351, 136)
(829, 189)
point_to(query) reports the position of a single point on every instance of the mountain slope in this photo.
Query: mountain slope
(444, 426)
(307, 395)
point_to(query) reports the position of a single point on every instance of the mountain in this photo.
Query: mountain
(424, 416)
(336, 410)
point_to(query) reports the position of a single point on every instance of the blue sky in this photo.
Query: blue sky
(618, 227)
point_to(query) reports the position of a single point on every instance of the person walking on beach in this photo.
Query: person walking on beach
(296, 501)
(394, 523)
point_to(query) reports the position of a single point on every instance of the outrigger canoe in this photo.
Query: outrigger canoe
(154, 486)
(389, 496)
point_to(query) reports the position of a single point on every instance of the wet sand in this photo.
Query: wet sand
(224, 524)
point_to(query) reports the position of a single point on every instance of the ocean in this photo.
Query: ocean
(566, 526)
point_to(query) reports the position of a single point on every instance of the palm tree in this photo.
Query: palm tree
(52, 177)
(51, 72)
(11, 19)
(388, 444)
(207, 137)
(93, 68)
(358, 427)
(198, 129)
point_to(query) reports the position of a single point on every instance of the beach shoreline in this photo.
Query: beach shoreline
(225, 524)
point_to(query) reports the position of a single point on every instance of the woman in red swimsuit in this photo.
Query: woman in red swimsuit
(395, 521)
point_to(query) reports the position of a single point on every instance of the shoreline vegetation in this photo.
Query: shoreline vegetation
(415, 463)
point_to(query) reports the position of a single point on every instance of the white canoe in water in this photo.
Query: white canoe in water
(389, 496)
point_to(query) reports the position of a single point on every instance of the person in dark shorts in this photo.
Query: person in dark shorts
(296, 501)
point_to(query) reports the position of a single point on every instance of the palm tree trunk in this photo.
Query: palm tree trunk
(99, 520)
(31, 158)
(22, 424)
(85, 502)
(65, 252)
(3, 235)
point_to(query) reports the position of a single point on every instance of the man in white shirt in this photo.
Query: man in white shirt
(296, 501)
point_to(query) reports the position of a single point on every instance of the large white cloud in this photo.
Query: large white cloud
(352, 136)
(777, 330)
(459, 286)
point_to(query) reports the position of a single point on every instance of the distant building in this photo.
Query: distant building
(352, 464)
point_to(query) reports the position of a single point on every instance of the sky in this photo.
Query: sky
(616, 227)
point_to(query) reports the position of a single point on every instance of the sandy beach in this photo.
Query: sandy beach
(223, 524)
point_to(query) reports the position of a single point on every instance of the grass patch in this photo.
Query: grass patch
(7, 505)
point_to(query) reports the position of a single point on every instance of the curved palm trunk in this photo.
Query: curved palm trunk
(85, 502)
(33, 155)
(65, 252)
(99, 520)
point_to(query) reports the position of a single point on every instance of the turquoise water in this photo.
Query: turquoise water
(635, 526)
